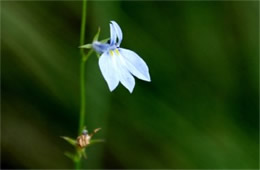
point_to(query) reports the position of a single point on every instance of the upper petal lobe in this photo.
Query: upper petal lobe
(113, 35)
(118, 31)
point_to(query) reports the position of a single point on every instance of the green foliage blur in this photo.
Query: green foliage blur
(199, 111)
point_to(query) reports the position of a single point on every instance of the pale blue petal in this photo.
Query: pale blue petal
(127, 80)
(113, 35)
(108, 70)
(118, 32)
(125, 76)
(100, 47)
(135, 64)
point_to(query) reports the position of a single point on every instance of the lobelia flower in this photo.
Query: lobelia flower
(119, 64)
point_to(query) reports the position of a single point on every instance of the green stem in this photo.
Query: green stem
(83, 25)
(82, 96)
(82, 75)
(77, 165)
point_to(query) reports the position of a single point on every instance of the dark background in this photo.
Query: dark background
(199, 111)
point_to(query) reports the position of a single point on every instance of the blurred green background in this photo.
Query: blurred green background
(199, 111)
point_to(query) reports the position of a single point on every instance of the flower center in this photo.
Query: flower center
(111, 52)
(117, 51)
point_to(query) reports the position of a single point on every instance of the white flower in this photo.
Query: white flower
(119, 64)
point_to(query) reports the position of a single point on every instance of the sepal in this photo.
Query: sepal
(97, 35)
(70, 140)
(72, 156)
(94, 141)
(87, 46)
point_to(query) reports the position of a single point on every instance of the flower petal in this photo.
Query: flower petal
(118, 32)
(113, 35)
(127, 80)
(135, 64)
(108, 70)
(125, 76)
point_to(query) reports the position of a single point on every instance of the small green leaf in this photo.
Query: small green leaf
(88, 46)
(97, 35)
(69, 140)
